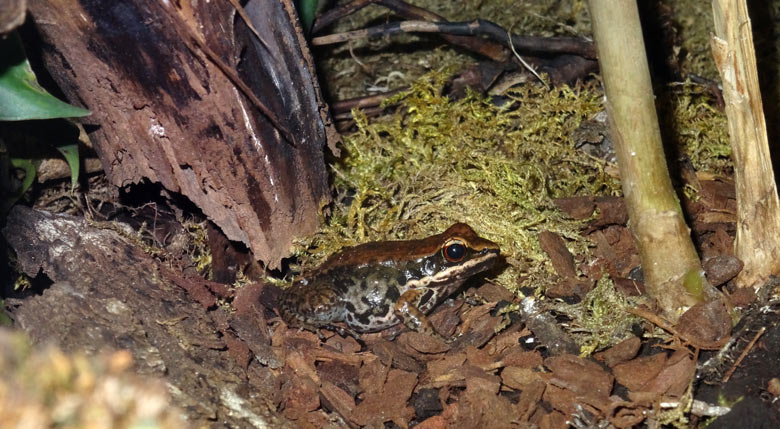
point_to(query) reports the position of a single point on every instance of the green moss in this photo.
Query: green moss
(22, 282)
(601, 319)
(678, 416)
(438, 161)
(198, 247)
(695, 25)
(696, 128)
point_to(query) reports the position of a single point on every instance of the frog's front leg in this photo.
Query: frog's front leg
(406, 309)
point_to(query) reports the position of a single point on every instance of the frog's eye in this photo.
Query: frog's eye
(454, 251)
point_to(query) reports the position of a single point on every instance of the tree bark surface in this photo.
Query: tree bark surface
(165, 111)
(108, 294)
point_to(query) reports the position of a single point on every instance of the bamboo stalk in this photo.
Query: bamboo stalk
(671, 266)
(758, 210)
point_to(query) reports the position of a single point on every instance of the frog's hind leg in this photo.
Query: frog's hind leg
(344, 332)
(317, 329)
(407, 309)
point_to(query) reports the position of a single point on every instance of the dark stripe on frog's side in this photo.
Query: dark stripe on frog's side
(407, 250)
(426, 296)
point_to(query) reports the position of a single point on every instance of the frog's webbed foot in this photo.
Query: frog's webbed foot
(344, 331)
(406, 309)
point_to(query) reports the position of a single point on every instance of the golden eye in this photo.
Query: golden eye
(454, 251)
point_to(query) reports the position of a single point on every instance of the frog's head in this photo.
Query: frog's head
(455, 254)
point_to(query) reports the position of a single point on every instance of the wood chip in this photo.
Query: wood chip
(722, 268)
(581, 376)
(674, 378)
(635, 373)
(529, 398)
(522, 358)
(423, 343)
(389, 404)
(492, 292)
(435, 422)
(555, 248)
(707, 322)
(478, 357)
(301, 395)
(392, 354)
(518, 378)
(302, 367)
(621, 352)
(341, 374)
(373, 375)
(337, 400)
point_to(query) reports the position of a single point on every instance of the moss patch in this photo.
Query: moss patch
(438, 161)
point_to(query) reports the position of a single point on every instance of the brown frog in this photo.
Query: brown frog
(374, 286)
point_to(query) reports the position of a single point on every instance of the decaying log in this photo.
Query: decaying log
(161, 79)
(107, 293)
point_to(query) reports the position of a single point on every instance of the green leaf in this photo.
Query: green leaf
(21, 97)
(29, 173)
(71, 154)
(5, 320)
(307, 9)
(29, 177)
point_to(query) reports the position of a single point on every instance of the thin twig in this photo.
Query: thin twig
(338, 12)
(229, 73)
(742, 355)
(666, 326)
(242, 13)
(523, 62)
(488, 49)
(479, 27)
(362, 102)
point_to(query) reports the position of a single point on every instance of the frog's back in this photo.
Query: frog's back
(363, 298)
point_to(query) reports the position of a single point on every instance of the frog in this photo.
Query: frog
(377, 285)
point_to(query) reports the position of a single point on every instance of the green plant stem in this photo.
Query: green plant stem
(672, 270)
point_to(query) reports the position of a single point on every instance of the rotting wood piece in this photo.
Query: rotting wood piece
(165, 112)
(108, 294)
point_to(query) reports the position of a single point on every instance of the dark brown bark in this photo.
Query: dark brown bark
(167, 110)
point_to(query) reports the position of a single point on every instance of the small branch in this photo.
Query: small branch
(338, 12)
(743, 354)
(491, 50)
(242, 13)
(666, 326)
(479, 27)
(229, 72)
(362, 102)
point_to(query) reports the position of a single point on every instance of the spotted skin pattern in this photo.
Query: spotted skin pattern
(375, 286)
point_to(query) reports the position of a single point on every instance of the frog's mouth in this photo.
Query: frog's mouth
(459, 272)
(475, 265)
